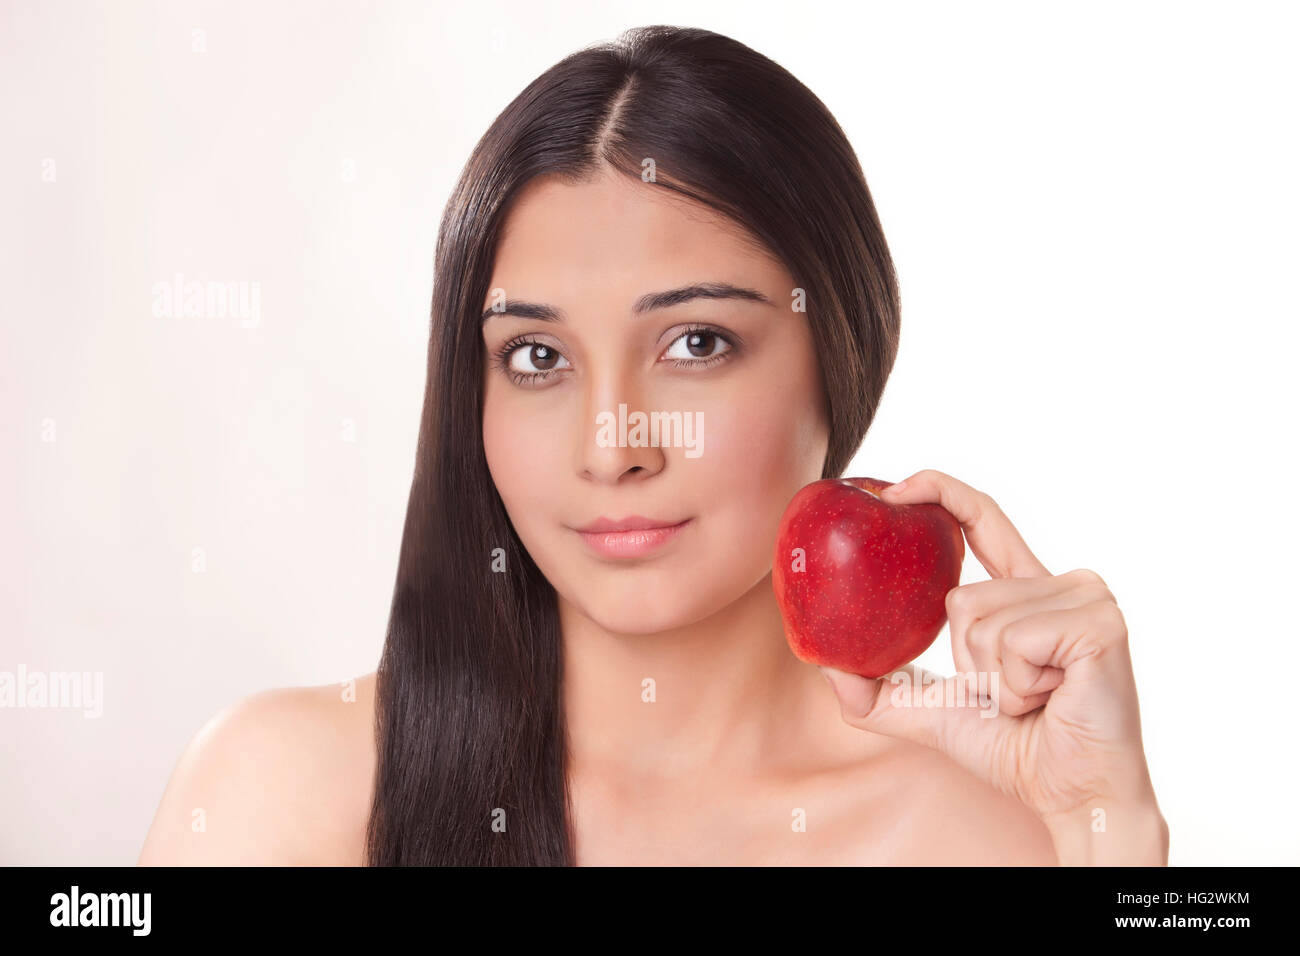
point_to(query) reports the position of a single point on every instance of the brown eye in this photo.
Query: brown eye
(697, 344)
(535, 357)
(700, 344)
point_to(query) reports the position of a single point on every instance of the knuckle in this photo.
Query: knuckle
(1016, 629)
(958, 601)
(1113, 619)
(980, 635)
(1086, 578)
(1097, 592)
(985, 506)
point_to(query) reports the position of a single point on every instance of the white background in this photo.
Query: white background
(1092, 208)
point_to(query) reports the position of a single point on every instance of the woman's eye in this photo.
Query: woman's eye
(534, 358)
(529, 363)
(697, 344)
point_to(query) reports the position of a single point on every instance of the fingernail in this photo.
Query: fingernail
(898, 486)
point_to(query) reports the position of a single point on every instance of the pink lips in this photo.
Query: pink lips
(631, 537)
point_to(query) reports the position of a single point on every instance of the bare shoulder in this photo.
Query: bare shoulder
(953, 818)
(890, 802)
(281, 777)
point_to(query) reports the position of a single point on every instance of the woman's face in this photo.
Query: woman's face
(739, 373)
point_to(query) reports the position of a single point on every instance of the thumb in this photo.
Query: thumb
(901, 707)
(856, 694)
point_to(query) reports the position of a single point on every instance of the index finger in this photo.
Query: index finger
(990, 533)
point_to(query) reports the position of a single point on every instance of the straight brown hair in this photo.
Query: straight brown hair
(470, 730)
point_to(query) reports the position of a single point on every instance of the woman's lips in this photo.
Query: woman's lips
(636, 542)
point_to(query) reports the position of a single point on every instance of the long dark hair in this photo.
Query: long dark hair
(469, 719)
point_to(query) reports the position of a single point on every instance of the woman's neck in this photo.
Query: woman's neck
(723, 695)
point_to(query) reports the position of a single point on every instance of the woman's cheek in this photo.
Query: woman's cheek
(752, 470)
(767, 433)
(520, 457)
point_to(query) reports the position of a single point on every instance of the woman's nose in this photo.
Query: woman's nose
(610, 446)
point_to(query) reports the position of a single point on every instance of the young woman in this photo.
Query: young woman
(585, 663)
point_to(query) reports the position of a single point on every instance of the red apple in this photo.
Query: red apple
(861, 583)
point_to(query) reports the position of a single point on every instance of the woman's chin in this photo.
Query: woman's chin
(620, 619)
(638, 612)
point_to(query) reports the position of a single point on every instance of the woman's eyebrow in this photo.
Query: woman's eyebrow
(646, 303)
